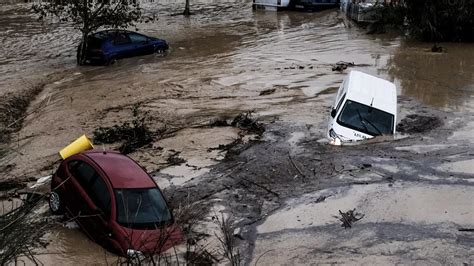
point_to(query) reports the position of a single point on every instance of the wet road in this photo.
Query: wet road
(221, 58)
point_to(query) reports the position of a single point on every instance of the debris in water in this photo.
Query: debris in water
(42, 181)
(341, 66)
(245, 121)
(71, 225)
(203, 257)
(437, 49)
(132, 136)
(174, 159)
(11, 184)
(321, 199)
(219, 122)
(349, 217)
(267, 92)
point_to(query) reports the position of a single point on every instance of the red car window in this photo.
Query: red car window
(101, 195)
(142, 208)
(92, 183)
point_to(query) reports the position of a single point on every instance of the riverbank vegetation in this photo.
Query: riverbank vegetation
(435, 21)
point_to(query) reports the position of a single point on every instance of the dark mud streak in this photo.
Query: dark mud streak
(383, 230)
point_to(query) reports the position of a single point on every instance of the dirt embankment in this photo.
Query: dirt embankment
(13, 108)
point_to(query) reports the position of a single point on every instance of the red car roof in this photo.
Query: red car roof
(122, 171)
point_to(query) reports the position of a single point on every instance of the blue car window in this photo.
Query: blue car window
(137, 38)
(120, 39)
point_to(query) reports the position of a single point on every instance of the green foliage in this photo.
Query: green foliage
(90, 15)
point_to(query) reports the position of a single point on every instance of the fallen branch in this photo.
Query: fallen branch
(262, 187)
(295, 166)
(349, 217)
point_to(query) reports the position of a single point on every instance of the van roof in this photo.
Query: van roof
(370, 90)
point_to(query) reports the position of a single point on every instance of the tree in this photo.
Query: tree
(186, 9)
(90, 15)
(449, 20)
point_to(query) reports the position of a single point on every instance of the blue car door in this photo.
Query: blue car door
(122, 45)
(142, 44)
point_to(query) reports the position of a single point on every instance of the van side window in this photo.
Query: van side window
(340, 102)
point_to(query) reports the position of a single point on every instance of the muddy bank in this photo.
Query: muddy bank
(13, 110)
(261, 185)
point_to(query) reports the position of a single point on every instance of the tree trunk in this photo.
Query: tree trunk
(186, 9)
(82, 49)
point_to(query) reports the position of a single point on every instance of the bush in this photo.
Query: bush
(442, 20)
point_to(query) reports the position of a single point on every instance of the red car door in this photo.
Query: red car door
(91, 204)
(79, 175)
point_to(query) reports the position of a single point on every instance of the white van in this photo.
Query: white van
(365, 107)
(272, 5)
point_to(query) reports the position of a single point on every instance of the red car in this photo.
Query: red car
(115, 202)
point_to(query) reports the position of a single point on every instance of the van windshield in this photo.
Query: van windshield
(143, 208)
(366, 119)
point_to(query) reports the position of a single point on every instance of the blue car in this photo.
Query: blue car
(105, 47)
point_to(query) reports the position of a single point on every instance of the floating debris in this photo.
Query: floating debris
(437, 49)
(267, 92)
(245, 121)
(341, 66)
(349, 217)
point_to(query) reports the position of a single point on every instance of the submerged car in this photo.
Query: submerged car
(104, 47)
(115, 202)
(365, 107)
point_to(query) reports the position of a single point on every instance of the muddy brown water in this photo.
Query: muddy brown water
(221, 58)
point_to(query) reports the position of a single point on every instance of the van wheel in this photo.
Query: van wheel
(55, 204)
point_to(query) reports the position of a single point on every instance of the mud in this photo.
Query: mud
(418, 124)
(226, 60)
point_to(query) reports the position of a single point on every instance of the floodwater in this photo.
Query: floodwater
(221, 58)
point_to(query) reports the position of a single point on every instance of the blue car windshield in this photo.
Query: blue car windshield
(143, 208)
(366, 119)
